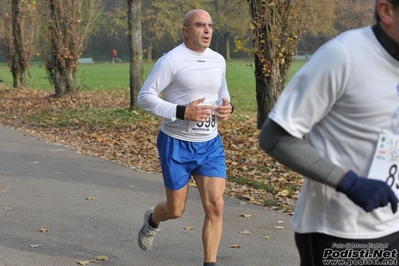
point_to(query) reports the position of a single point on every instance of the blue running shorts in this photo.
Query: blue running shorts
(181, 158)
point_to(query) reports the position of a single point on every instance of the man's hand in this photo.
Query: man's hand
(367, 193)
(200, 113)
(225, 110)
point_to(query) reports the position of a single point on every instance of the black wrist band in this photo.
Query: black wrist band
(180, 111)
(232, 109)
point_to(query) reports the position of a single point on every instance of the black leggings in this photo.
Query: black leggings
(317, 249)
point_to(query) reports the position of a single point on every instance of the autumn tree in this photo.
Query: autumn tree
(319, 16)
(324, 20)
(113, 22)
(163, 20)
(318, 20)
(136, 50)
(231, 20)
(276, 28)
(20, 33)
(353, 14)
(68, 24)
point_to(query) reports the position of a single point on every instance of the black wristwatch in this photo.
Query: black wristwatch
(232, 109)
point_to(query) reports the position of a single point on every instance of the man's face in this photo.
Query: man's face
(198, 32)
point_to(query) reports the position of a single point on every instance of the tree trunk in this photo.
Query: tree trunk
(18, 42)
(70, 83)
(136, 50)
(149, 53)
(261, 93)
(275, 35)
(268, 90)
(228, 54)
(59, 84)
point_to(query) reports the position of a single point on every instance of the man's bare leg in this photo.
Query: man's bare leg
(173, 207)
(211, 190)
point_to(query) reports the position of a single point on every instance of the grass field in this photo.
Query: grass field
(105, 76)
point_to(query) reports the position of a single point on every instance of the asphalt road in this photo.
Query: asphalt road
(89, 207)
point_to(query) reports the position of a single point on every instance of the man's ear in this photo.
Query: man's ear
(385, 12)
(184, 30)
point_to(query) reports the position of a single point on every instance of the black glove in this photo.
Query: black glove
(367, 193)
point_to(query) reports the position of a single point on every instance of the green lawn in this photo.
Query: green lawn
(104, 76)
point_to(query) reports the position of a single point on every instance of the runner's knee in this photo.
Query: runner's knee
(175, 212)
(215, 208)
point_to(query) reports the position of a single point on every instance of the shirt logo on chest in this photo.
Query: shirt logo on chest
(203, 61)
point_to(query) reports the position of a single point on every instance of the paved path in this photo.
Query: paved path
(43, 185)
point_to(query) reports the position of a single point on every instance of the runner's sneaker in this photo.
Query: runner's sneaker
(147, 233)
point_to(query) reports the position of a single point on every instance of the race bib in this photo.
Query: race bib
(207, 127)
(386, 162)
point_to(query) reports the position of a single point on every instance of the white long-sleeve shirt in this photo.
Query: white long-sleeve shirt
(342, 100)
(182, 76)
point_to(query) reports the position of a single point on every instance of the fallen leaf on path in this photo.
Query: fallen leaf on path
(278, 227)
(90, 198)
(44, 230)
(189, 228)
(234, 246)
(102, 258)
(86, 262)
(283, 193)
(244, 232)
(246, 215)
(35, 246)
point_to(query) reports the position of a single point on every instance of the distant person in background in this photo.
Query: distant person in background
(345, 100)
(115, 56)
